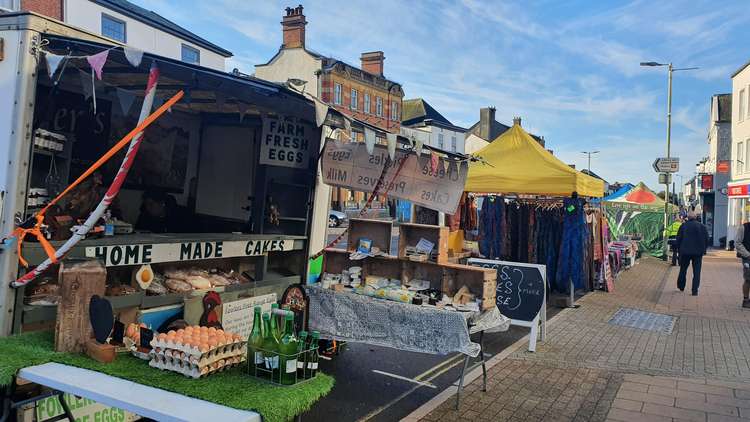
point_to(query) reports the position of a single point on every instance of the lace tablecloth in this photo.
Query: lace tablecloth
(362, 319)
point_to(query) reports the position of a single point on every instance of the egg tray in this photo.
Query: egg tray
(188, 369)
(224, 350)
(201, 360)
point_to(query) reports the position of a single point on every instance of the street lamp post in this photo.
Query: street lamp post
(589, 155)
(671, 69)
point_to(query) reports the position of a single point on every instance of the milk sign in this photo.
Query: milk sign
(285, 142)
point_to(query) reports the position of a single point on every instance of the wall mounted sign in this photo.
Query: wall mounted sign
(146, 253)
(738, 190)
(286, 142)
(436, 187)
(723, 166)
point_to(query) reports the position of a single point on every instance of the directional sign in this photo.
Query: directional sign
(667, 165)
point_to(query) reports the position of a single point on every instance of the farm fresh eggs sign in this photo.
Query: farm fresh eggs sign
(286, 142)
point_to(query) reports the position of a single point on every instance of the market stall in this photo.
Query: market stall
(637, 213)
(161, 203)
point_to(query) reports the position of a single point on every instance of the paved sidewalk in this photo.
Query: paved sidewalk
(592, 370)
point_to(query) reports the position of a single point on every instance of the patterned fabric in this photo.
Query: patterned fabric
(361, 319)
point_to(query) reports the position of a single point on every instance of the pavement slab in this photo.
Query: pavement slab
(591, 370)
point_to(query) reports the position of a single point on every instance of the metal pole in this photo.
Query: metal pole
(669, 147)
(589, 154)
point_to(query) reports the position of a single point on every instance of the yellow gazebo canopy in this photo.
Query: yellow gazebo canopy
(518, 164)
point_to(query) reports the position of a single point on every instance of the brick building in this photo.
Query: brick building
(360, 92)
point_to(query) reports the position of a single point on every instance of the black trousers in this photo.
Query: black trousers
(685, 260)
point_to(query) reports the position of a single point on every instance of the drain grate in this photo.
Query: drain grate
(642, 320)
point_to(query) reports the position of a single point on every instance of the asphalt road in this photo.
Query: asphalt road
(381, 384)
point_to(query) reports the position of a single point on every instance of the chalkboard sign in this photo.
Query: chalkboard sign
(520, 287)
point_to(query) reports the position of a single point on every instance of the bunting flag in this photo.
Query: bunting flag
(97, 62)
(86, 86)
(126, 100)
(53, 62)
(347, 125)
(370, 140)
(464, 168)
(452, 167)
(133, 55)
(321, 112)
(446, 164)
(418, 147)
(392, 140)
(434, 161)
(93, 89)
(241, 110)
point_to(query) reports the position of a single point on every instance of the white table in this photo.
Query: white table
(142, 400)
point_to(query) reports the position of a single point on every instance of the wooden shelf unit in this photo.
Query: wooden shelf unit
(379, 231)
(410, 233)
(446, 277)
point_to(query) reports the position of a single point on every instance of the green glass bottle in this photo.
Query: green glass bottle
(276, 327)
(255, 341)
(288, 347)
(312, 362)
(271, 348)
(302, 354)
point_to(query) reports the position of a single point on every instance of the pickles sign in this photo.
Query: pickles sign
(350, 166)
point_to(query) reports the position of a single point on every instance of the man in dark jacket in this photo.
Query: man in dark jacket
(691, 242)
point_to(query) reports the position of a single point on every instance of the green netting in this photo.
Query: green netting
(650, 225)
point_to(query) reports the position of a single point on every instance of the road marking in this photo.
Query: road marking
(400, 377)
(379, 410)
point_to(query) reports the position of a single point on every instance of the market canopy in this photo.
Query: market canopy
(518, 164)
(639, 197)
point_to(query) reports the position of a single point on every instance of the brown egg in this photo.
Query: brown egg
(212, 329)
(171, 333)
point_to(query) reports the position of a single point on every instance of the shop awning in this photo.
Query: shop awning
(516, 163)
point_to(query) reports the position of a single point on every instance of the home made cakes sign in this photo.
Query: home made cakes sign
(350, 166)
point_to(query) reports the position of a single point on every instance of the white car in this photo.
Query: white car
(336, 218)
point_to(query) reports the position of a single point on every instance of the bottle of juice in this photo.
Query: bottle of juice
(276, 328)
(288, 347)
(271, 348)
(255, 341)
(312, 362)
(302, 354)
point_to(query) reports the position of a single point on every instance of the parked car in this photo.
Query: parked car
(336, 218)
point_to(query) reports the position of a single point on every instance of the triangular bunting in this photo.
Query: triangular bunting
(97, 62)
(392, 140)
(321, 112)
(126, 99)
(133, 55)
(53, 62)
(370, 140)
(418, 146)
(446, 163)
(434, 161)
(86, 85)
(464, 168)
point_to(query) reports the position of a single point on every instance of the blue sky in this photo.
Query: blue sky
(569, 68)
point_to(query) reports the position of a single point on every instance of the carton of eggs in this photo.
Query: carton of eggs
(197, 351)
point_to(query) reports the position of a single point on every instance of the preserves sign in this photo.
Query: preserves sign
(286, 142)
(438, 187)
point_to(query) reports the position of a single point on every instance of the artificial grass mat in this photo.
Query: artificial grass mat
(232, 387)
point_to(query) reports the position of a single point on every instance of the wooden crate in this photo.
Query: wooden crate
(379, 231)
(409, 235)
(79, 280)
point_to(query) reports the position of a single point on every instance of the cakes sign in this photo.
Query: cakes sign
(285, 142)
(436, 187)
(145, 253)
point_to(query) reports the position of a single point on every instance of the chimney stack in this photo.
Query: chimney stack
(486, 117)
(372, 62)
(517, 120)
(293, 26)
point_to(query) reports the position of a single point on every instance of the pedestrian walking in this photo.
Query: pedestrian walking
(742, 246)
(691, 242)
(671, 233)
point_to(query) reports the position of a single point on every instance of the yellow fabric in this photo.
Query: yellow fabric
(520, 165)
(674, 228)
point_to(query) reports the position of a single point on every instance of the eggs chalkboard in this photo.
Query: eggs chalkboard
(520, 290)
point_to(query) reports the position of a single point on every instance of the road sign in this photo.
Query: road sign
(667, 165)
(665, 178)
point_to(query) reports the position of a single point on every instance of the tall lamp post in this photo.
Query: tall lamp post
(589, 155)
(671, 69)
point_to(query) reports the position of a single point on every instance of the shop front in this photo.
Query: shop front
(739, 207)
